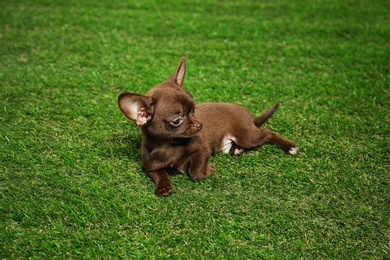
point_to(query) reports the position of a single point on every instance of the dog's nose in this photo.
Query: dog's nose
(197, 125)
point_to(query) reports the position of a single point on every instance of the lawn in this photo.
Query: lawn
(71, 180)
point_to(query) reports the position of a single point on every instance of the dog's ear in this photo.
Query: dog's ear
(136, 107)
(178, 77)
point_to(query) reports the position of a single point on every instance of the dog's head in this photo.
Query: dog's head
(166, 111)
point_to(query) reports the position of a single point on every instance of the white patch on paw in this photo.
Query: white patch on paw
(238, 152)
(293, 150)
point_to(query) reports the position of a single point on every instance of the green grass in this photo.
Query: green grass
(71, 183)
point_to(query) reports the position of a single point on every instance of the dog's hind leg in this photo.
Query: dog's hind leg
(256, 137)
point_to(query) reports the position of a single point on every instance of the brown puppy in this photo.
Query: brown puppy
(178, 136)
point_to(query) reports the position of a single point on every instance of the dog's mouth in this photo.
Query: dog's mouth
(197, 126)
(191, 130)
(194, 127)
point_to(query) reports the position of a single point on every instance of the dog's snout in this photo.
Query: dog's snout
(197, 125)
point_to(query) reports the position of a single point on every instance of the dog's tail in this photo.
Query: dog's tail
(261, 119)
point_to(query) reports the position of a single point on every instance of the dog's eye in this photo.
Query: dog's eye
(192, 110)
(176, 121)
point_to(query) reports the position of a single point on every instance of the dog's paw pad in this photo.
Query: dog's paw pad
(293, 150)
(164, 190)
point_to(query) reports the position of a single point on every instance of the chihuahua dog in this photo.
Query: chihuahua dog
(178, 136)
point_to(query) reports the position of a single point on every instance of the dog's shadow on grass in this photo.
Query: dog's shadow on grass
(123, 146)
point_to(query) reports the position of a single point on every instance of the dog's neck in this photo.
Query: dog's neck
(180, 141)
(158, 141)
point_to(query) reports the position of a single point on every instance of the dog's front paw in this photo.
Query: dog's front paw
(211, 169)
(293, 150)
(205, 173)
(164, 188)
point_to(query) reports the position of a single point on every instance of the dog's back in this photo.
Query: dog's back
(224, 124)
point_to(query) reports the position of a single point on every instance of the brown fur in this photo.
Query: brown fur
(179, 137)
